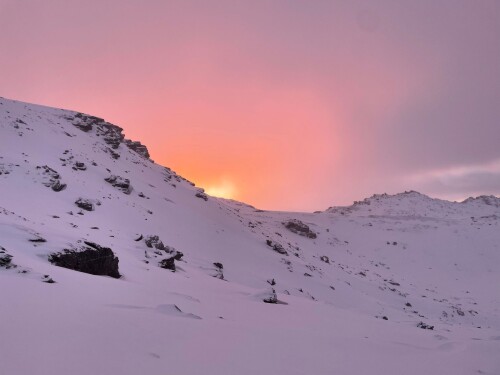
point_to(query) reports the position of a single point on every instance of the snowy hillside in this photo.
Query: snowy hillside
(177, 282)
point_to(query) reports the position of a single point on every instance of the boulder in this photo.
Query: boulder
(270, 297)
(6, 260)
(79, 166)
(58, 186)
(219, 274)
(154, 241)
(168, 263)
(85, 204)
(90, 258)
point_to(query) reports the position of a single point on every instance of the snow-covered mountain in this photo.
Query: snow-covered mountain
(174, 281)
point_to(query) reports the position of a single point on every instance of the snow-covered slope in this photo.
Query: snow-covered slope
(355, 287)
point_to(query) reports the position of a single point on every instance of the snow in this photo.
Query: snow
(406, 257)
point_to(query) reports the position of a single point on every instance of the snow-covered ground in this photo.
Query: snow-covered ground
(352, 284)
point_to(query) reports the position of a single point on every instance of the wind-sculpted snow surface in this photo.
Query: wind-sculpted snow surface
(395, 284)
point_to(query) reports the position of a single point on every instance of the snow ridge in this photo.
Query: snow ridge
(152, 275)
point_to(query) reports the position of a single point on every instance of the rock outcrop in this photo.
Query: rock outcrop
(276, 247)
(298, 227)
(111, 134)
(90, 258)
(120, 183)
(85, 204)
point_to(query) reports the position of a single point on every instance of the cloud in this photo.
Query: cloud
(460, 182)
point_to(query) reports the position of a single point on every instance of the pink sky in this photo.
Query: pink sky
(295, 105)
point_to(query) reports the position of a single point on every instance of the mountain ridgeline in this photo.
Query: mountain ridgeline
(155, 275)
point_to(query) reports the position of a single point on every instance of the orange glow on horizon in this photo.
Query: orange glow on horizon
(224, 189)
(282, 106)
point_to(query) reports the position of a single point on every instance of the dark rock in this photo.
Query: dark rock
(271, 282)
(425, 326)
(271, 298)
(37, 239)
(139, 238)
(85, 122)
(138, 147)
(115, 155)
(168, 263)
(176, 254)
(408, 304)
(201, 195)
(90, 258)
(298, 227)
(325, 259)
(52, 178)
(385, 318)
(47, 279)
(219, 274)
(6, 260)
(120, 183)
(85, 204)
(154, 241)
(276, 247)
(112, 134)
(58, 186)
(79, 166)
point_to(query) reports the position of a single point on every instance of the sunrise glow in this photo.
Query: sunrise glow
(225, 189)
(300, 105)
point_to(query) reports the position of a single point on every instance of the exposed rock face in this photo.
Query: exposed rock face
(201, 194)
(120, 183)
(85, 204)
(6, 260)
(58, 186)
(138, 147)
(112, 134)
(276, 247)
(219, 274)
(90, 258)
(52, 178)
(425, 326)
(168, 263)
(298, 227)
(85, 122)
(154, 241)
(489, 200)
(176, 254)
